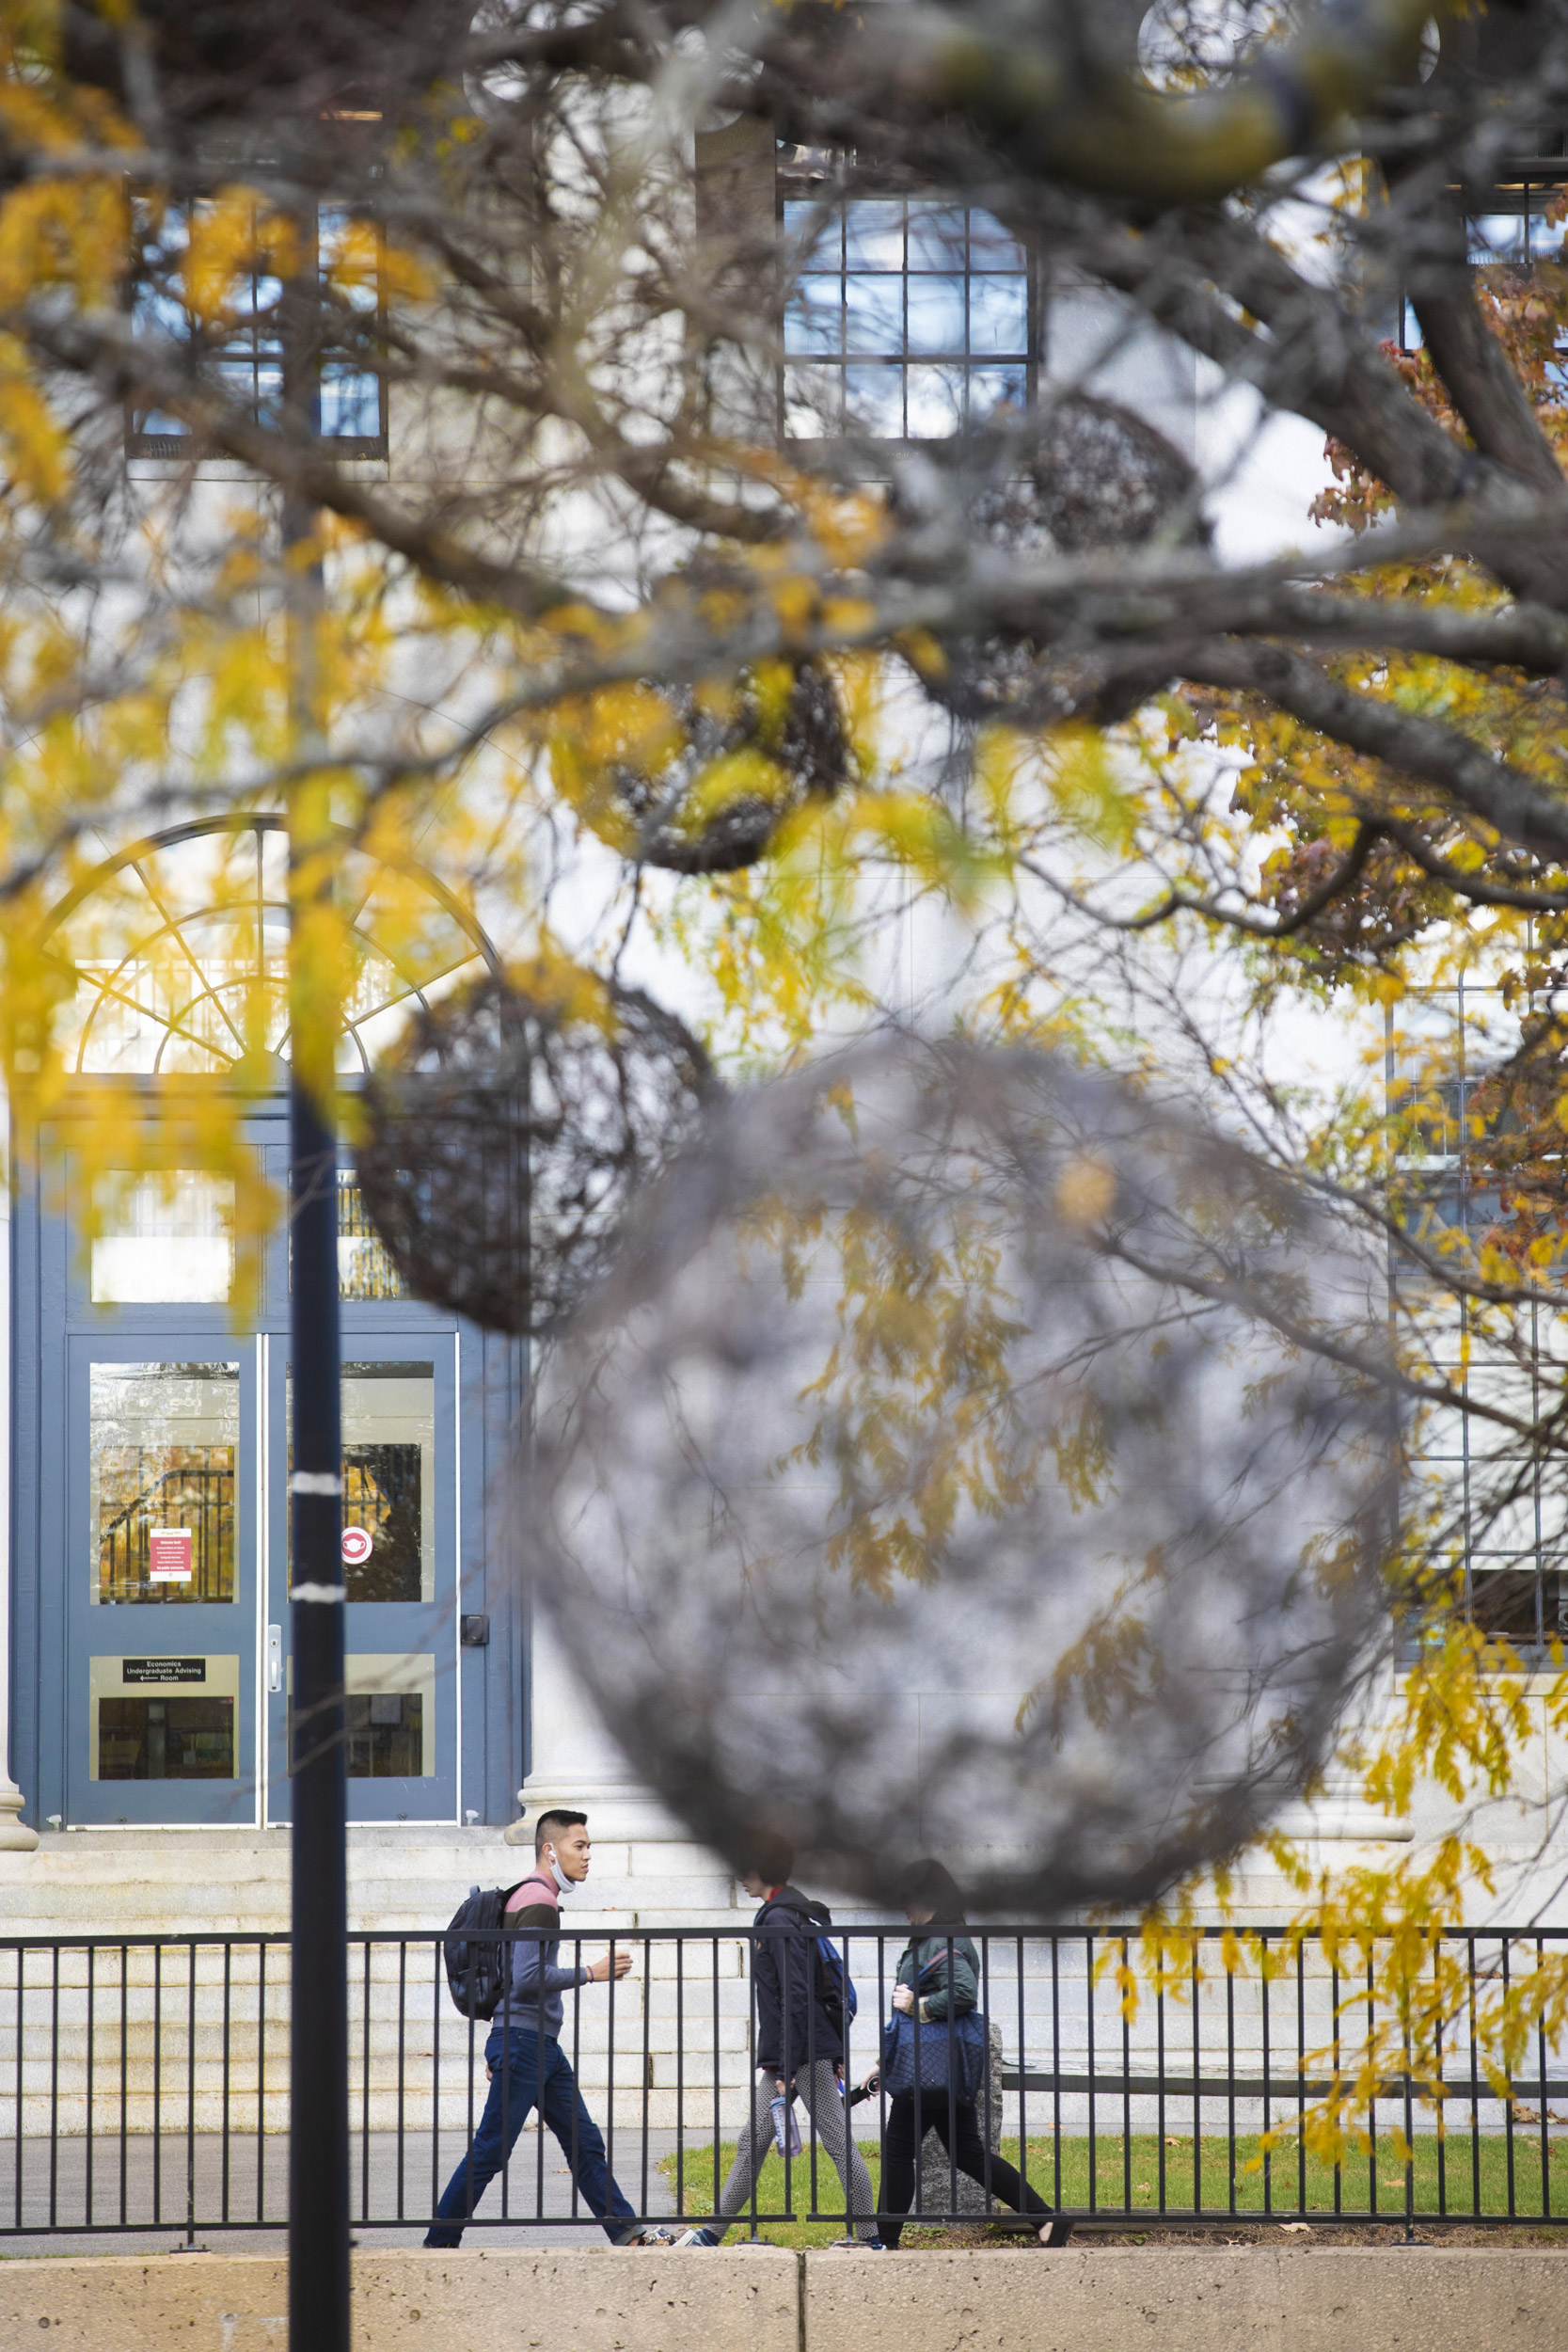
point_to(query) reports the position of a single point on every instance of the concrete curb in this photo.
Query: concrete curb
(582, 2300)
(1188, 2299)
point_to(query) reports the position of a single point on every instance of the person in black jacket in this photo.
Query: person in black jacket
(799, 2048)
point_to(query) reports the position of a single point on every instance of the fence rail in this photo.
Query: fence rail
(144, 2086)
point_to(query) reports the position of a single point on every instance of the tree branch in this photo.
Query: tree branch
(1425, 751)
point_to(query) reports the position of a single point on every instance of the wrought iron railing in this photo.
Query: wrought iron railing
(144, 2086)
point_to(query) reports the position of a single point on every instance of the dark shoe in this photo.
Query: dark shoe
(1058, 2231)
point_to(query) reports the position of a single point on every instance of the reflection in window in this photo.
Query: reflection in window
(385, 1735)
(167, 1739)
(162, 1440)
(364, 1268)
(389, 1472)
(908, 319)
(166, 1237)
(390, 1714)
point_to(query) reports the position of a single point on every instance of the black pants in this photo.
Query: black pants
(966, 2148)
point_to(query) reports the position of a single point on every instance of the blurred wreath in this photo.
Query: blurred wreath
(507, 1134)
(699, 778)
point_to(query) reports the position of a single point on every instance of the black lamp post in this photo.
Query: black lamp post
(318, 2029)
(317, 2032)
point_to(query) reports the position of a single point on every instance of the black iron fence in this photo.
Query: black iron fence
(144, 2086)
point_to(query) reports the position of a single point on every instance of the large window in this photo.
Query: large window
(246, 354)
(1500, 1507)
(908, 318)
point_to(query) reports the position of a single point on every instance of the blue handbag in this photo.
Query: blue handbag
(949, 2054)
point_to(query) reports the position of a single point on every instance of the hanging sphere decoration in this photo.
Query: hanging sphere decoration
(1094, 476)
(508, 1133)
(944, 1466)
(699, 779)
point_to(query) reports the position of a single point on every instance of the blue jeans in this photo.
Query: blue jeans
(521, 2082)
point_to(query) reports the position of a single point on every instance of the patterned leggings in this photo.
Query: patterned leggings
(817, 2088)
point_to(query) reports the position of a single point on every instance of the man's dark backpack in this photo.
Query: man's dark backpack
(476, 1960)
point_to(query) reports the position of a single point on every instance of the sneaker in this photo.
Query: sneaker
(696, 2237)
(647, 2237)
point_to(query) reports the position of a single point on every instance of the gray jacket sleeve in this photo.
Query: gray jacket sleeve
(535, 1972)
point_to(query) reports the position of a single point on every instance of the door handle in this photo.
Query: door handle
(275, 1657)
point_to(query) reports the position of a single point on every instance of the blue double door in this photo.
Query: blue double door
(172, 1508)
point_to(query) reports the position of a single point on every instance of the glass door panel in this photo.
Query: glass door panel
(399, 1553)
(162, 1615)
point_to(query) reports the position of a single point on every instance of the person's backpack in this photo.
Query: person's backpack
(476, 1960)
(835, 1987)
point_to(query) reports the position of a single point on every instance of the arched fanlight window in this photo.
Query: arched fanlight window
(178, 945)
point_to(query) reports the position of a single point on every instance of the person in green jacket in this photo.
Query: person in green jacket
(939, 1975)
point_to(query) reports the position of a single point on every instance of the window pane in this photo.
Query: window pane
(936, 314)
(999, 314)
(350, 403)
(364, 1268)
(991, 389)
(391, 1715)
(936, 397)
(388, 1481)
(875, 314)
(819, 237)
(813, 321)
(937, 237)
(1496, 237)
(875, 400)
(813, 403)
(1503, 1601)
(1545, 235)
(163, 1718)
(874, 234)
(162, 1440)
(166, 1237)
(990, 245)
(385, 1735)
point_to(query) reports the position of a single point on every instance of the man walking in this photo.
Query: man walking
(528, 2065)
(799, 2047)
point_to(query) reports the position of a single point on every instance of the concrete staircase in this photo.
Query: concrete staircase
(196, 2035)
(193, 2036)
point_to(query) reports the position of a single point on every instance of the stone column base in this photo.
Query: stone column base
(15, 1836)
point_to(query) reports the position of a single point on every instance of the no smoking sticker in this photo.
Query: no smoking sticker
(357, 1544)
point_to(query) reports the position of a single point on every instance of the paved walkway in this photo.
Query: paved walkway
(156, 2185)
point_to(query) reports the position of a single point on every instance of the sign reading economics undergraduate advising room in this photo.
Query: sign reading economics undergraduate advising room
(169, 1551)
(163, 1669)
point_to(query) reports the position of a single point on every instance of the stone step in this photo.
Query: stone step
(660, 2111)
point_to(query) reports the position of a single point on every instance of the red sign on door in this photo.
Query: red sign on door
(357, 1543)
(169, 1555)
